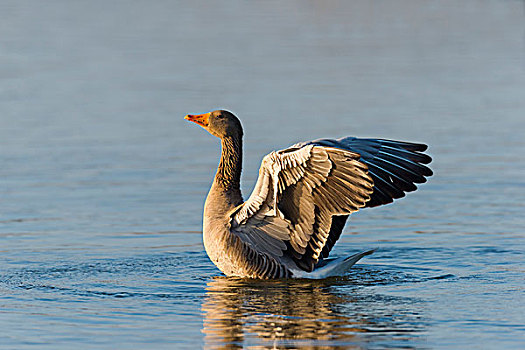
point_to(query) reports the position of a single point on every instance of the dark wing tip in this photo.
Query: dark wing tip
(409, 146)
(396, 167)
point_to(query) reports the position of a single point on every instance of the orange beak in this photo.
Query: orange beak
(201, 119)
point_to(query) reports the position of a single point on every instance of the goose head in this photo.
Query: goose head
(219, 123)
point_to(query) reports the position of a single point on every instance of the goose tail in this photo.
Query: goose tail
(338, 267)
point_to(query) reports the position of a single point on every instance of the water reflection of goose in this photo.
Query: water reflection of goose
(301, 201)
(300, 313)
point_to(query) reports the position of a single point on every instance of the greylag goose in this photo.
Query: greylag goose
(301, 201)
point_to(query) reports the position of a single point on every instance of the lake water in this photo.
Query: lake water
(102, 182)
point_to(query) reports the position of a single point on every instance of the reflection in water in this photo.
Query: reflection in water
(309, 314)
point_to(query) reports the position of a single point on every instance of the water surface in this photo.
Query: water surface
(102, 182)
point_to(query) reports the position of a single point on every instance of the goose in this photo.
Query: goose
(301, 200)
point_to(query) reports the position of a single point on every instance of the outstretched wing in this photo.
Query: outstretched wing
(298, 191)
(305, 193)
(395, 167)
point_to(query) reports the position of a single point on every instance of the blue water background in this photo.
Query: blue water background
(102, 182)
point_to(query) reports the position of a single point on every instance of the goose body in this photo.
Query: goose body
(301, 201)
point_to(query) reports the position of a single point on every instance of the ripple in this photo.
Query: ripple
(442, 277)
(119, 278)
